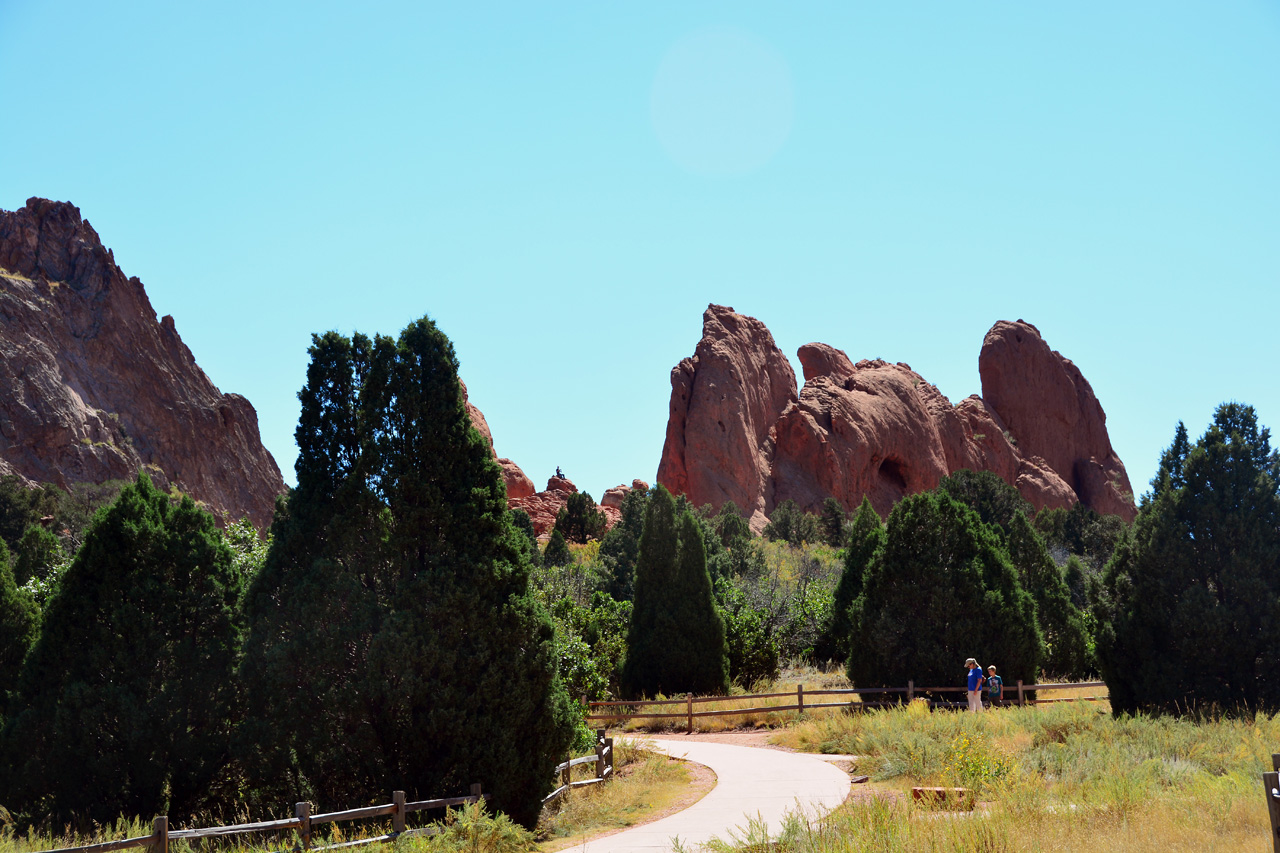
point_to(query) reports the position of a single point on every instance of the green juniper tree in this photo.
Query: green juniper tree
(38, 552)
(1190, 609)
(19, 620)
(1062, 624)
(676, 641)
(557, 553)
(866, 538)
(126, 702)
(579, 520)
(621, 546)
(394, 641)
(832, 523)
(941, 589)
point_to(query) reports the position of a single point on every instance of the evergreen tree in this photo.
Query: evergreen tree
(790, 524)
(394, 640)
(1080, 532)
(940, 590)
(986, 493)
(866, 538)
(1061, 623)
(38, 552)
(521, 521)
(676, 641)
(1190, 611)
(557, 553)
(833, 520)
(126, 702)
(19, 620)
(734, 530)
(579, 520)
(621, 546)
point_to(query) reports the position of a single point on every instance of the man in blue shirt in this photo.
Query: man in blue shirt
(975, 685)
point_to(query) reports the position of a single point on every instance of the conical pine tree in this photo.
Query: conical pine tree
(676, 641)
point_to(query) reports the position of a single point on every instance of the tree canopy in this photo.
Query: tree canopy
(126, 702)
(940, 590)
(394, 642)
(676, 641)
(1190, 611)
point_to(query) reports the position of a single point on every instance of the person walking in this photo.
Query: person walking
(995, 688)
(975, 685)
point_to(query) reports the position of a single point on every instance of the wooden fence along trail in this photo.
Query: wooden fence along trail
(302, 821)
(612, 717)
(1271, 788)
(603, 761)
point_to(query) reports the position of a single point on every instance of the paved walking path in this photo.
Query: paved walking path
(751, 783)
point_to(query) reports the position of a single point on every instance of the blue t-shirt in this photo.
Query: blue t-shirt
(975, 676)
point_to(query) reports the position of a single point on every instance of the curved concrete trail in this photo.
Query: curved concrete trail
(750, 783)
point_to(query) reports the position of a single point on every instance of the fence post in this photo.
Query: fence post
(800, 697)
(608, 745)
(599, 753)
(475, 791)
(302, 811)
(911, 690)
(397, 817)
(567, 773)
(1021, 701)
(1270, 782)
(690, 714)
(1275, 761)
(159, 835)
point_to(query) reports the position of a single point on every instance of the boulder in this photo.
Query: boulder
(95, 387)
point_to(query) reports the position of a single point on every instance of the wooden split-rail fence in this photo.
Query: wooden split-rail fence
(612, 713)
(1271, 788)
(603, 761)
(303, 822)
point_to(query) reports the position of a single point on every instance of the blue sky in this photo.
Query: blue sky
(564, 188)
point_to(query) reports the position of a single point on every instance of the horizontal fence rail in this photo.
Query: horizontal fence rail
(603, 761)
(302, 822)
(801, 696)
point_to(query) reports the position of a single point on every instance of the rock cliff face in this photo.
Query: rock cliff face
(93, 387)
(879, 429)
(725, 401)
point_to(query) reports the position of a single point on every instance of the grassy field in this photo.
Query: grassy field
(1065, 777)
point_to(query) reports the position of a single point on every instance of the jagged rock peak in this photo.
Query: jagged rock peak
(93, 387)
(725, 400)
(877, 429)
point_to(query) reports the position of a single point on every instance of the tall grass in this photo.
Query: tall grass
(1061, 777)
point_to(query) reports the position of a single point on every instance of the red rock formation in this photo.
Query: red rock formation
(880, 430)
(725, 401)
(518, 485)
(1051, 409)
(93, 387)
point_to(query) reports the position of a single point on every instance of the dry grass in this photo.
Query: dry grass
(1058, 777)
(811, 678)
(645, 787)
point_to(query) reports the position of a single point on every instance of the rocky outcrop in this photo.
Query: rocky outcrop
(725, 401)
(94, 387)
(1048, 404)
(880, 430)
